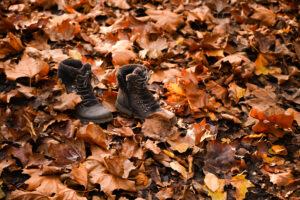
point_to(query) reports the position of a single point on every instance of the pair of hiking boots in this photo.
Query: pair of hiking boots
(133, 96)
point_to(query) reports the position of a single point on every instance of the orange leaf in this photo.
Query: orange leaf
(174, 88)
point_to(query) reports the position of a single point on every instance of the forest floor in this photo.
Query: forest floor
(228, 70)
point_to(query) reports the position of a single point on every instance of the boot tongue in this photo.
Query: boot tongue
(86, 68)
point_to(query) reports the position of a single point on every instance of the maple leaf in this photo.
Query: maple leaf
(160, 125)
(67, 101)
(80, 174)
(241, 184)
(122, 52)
(274, 114)
(109, 182)
(214, 187)
(119, 3)
(27, 67)
(94, 134)
(266, 16)
(152, 49)
(62, 28)
(10, 45)
(165, 193)
(19, 195)
(281, 179)
(166, 19)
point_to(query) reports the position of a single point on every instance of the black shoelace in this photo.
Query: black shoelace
(85, 89)
(146, 99)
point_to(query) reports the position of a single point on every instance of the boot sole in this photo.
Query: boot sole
(99, 121)
(123, 109)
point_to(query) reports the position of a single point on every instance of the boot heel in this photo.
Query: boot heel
(123, 109)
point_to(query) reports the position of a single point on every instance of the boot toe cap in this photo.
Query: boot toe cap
(96, 113)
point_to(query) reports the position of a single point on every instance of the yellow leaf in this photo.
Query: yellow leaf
(170, 154)
(179, 168)
(274, 160)
(241, 184)
(261, 63)
(75, 54)
(278, 150)
(174, 88)
(219, 194)
(225, 140)
(180, 41)
(256, 135)
(240, 92)
(215, 53)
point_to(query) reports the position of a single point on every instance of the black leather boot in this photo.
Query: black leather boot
(134, 98)
(77, 77)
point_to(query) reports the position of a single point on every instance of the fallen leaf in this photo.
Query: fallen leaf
(166, 19)
(93, 133)
(281, 179)
(266, 16)
(165, 193)
(122, 53)
(27, 67)
(67, 101)
(11, 44)
(211, 181)
(21, 195)
(278, 150)
(61, 27)
(274, 114)
(241, 184)
(179, 168)
(119, 3)
(80, 174)
(152, 49)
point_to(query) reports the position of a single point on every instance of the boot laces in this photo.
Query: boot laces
(146, 99)
(84, 88)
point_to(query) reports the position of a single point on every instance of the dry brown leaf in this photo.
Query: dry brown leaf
(281, 179)
(80, 173)
(266, 16)
(166, 19)
(46, 185)
(130, 149)
(10, 45)
(108, 182)
(93, 133)
(160, 125)
(119, 3)
(62, 27)
(152, 49)
(27, 67)
(67, 101)
(22, 195)
(122, 53)
(66, 194)
(211, 181)
(165, 193)
(150, 145)
(179, 168)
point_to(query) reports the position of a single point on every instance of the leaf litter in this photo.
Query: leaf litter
(228, 70)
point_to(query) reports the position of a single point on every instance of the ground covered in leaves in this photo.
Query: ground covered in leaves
(228, 69)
